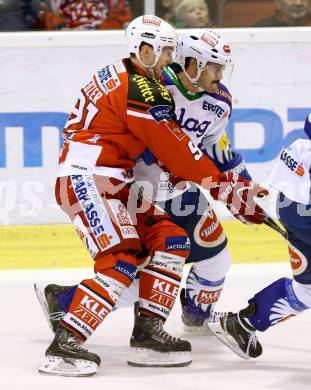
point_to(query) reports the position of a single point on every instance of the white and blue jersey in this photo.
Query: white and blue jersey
(291, 173)
(203, 116)
(291, 176)
(287, 297)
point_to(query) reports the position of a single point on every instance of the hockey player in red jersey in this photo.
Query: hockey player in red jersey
(120, 112)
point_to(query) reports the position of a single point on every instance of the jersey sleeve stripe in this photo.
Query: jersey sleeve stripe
(138, 107)
(139, 114)
(136, 103)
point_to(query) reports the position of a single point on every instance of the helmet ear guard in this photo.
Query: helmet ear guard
(151, 30)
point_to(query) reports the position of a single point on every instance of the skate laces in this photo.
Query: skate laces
(217, 315)
(253, 339)
(75, 344)
(162, 333)
(57, 315)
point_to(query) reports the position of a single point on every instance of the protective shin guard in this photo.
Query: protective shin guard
(159, 284)
(93, 300)
(275, 303)
(124, 270)
(200, 297)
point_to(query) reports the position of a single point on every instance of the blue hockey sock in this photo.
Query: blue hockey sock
(274, 304)
(201, 296)
(65, 298)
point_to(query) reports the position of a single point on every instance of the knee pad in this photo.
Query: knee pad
(276, 303)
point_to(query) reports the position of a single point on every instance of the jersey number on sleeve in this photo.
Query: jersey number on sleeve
(197, 153)
(83, 113)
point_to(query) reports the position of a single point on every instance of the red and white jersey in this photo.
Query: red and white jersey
(83, 14)
(118, 114)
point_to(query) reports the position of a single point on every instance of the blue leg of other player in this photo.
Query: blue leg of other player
(209, 256)
(282, 299)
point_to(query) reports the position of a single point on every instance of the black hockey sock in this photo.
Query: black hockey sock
(245, 314)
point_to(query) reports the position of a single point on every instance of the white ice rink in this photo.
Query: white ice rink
(284, 365)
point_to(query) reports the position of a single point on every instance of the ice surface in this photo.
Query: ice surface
(284, 365)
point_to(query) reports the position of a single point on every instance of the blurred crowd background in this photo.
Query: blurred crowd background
(23, 15)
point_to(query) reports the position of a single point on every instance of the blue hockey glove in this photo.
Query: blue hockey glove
(236, 165)
(148, 157)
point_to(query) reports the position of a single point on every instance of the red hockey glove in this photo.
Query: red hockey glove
(238, 195)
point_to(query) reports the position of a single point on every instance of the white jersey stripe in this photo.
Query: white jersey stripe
(139, 114)
(95, 296)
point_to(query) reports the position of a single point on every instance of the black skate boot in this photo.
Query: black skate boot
(48, 299)
(152, 346)
(194, 319)
(66, 357)
(237, 334)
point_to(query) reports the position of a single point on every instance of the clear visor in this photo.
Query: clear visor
(222, 72)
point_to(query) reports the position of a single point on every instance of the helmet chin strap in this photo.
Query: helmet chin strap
(193, 80)
(198, 87)
(150, 68)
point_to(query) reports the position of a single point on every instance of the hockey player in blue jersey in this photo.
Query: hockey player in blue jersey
(203, 107)
(286, 297)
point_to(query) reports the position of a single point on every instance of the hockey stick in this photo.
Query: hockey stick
(270, 222)
(273, 225)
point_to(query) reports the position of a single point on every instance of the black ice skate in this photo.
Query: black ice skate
(238, 335)
(66, 357)
(48, 299)
(152, 346)
(194, 319)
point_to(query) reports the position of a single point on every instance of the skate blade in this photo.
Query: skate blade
(226, 339)
(143, 357)
(198, 330)
(54, 365)
(43, 303)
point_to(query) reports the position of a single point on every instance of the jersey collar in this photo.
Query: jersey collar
(175, 80)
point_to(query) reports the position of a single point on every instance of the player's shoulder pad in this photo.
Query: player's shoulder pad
(223, 94)
(146, 92)
(108, 77)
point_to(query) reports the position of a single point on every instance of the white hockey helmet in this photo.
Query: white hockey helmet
(152, 30)
(205, 46)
